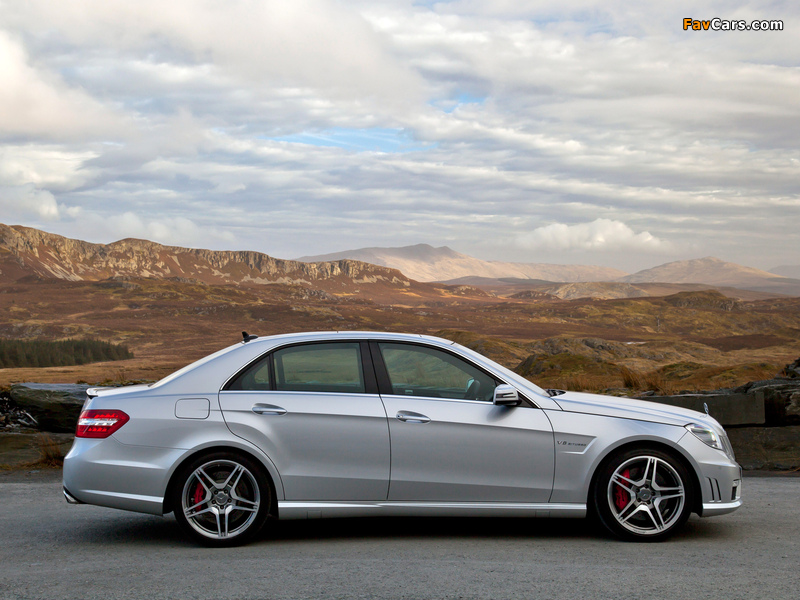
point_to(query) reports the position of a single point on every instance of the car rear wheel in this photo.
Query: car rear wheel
(221, 499)
(643, 495)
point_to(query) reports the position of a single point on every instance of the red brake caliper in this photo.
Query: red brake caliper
(621, 496)
(198, 494)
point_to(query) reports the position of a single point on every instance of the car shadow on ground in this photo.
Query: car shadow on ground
(398, 528)
(148, 531)
(428, 527)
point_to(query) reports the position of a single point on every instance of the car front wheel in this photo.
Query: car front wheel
(643, 495)
(221, 499)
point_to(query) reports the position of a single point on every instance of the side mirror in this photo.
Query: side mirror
(506, 395)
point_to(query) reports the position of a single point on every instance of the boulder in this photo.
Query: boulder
(55, 406)
(792, 370)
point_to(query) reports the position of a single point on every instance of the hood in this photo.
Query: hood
(629, 408)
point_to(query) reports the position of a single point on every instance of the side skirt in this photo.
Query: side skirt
(324, 510)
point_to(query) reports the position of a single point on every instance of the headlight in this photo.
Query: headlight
(706, 435)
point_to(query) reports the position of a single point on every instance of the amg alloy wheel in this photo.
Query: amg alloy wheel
(222, 499)
(643, 495)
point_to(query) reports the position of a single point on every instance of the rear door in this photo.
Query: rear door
(450, 443)
(314, 410)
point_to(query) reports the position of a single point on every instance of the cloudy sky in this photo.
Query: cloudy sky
(568, 131)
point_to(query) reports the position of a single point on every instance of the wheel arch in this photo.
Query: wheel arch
(674, 451)
(272, 475)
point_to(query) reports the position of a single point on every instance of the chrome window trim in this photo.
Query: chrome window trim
(306, 342)
(463, 400)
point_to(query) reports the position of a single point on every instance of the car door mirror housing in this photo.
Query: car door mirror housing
(506, 395)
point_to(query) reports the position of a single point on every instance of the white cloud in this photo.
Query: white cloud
(54, 167)
(26, 202)
(175, 231)
(37, 104)
(161, 120)
(271, 43)
(599, 235)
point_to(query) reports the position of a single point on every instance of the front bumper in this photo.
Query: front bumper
(720, 478)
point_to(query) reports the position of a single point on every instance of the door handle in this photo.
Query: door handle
(406, 416)
(268, 409)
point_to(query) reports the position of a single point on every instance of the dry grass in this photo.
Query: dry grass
(580, 382)
(656, 381)
(50, 454)
(631, 379)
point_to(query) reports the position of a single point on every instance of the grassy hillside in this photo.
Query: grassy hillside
(168, 324)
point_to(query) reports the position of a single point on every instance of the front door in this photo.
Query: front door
(450, 443)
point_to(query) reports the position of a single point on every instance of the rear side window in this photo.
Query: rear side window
(255, 378)
(333, 367)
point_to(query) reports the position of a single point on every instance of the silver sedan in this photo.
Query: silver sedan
(318, 425)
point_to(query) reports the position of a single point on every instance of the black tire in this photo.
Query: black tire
(221, 499)
(643, 495)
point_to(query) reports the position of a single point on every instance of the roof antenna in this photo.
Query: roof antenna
(247, 337)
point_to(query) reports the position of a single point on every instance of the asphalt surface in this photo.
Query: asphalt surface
(52, 550)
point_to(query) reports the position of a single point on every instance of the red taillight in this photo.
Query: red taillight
(100, 423)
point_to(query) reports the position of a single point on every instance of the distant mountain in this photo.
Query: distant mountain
(426, 263)
(787, 271)
(715, 272)
(535, 289)
(29, 254)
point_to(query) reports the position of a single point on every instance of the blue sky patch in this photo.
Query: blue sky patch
(375, 139)
(448, 105)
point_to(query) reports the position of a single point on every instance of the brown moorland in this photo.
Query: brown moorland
(173, 305)
(579, 344)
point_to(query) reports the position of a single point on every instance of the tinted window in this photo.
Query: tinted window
(320, 368)
(254, 378)
(422, 371)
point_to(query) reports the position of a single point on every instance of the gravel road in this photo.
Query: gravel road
(51, 550)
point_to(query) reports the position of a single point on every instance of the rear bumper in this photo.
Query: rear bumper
(106, 473)
(70, 498)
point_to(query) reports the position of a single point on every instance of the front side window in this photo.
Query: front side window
(332, 367)
(422, 371)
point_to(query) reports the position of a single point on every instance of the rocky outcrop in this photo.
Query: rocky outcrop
(55, 407)
(600, 290)
(610, 350)
(705, 299)
(26, 252)
(781, 399)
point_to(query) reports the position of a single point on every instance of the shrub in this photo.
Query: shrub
(42, 353)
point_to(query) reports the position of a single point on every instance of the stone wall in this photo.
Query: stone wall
(772, 402)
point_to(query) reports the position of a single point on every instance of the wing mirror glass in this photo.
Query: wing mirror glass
(506, 395)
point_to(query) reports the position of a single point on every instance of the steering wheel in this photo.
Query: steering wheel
(473, 386)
